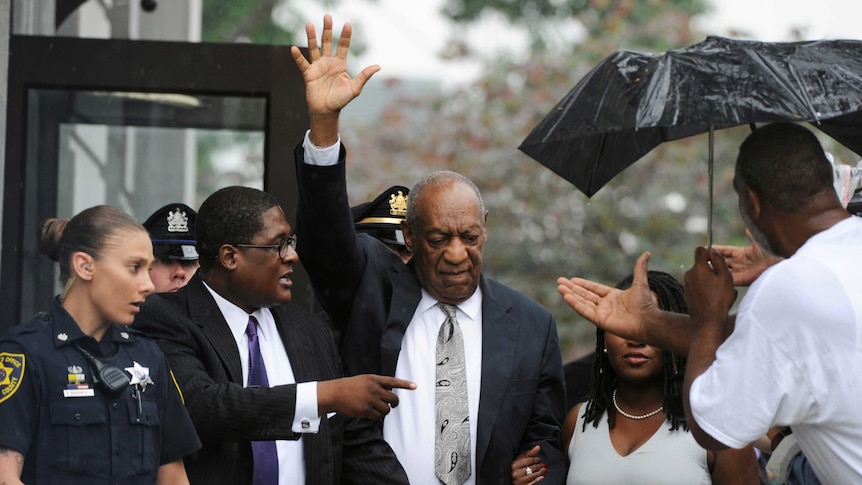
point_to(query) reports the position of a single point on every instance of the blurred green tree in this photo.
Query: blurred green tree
(233, 20)
(260, 22)
(623, 21)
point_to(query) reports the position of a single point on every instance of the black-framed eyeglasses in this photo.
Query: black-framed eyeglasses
(281, 247)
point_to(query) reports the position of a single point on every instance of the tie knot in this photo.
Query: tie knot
(448, 309)
(251, 330)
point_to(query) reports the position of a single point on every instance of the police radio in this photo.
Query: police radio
(109, 378)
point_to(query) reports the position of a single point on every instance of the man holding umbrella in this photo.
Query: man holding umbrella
(793, 353)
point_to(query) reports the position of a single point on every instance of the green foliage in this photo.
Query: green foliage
(639, 23)
(251, 21)
(542, 10)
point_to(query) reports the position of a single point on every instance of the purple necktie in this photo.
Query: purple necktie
(265, 456)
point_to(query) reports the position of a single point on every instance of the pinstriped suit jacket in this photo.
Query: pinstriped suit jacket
(192, 332)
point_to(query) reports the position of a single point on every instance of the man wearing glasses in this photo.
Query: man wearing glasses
(260, 377)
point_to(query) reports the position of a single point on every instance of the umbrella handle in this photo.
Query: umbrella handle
(711, 178)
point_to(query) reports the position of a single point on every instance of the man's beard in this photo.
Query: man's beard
(757, 235)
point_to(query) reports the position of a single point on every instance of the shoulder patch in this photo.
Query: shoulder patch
(11, 373)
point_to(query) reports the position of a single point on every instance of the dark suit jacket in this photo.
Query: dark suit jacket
(202, 352)
(371, 295)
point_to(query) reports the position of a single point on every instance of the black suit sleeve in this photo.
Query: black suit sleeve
(221, 410)
(327, 245)
(549, 409)
(367, 458)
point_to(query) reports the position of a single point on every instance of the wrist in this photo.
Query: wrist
(323, 398)
(711, 327)
(323, 130)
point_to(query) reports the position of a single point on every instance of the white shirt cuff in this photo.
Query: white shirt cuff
(320, 156)
(305, 418)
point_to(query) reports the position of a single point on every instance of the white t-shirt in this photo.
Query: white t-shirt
(795, 357)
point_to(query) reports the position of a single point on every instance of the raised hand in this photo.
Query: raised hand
(746, 263)
(328, 85)
(364, 396)
(621, 312)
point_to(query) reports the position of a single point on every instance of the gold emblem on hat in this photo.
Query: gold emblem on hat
(398, 204)
(178, 221)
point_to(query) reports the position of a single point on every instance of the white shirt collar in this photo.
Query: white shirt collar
(236, 317)
(471, 307)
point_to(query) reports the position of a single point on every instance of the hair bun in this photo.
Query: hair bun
(50, 236)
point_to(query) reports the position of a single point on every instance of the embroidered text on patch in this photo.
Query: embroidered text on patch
(11, 373)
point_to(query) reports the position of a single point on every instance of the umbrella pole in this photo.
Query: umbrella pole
(710, 172)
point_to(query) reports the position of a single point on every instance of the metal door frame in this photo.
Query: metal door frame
(37, 62)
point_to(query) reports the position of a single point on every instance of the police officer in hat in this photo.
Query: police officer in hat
(381, 219)
(172, 231)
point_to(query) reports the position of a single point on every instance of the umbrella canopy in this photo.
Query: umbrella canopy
(632, 102)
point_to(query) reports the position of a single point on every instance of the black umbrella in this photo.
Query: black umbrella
(632, 102)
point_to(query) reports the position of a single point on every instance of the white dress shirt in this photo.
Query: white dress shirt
(410, 427)
(291, 463)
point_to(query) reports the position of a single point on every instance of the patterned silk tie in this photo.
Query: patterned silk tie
(452, 447)
(265, 455)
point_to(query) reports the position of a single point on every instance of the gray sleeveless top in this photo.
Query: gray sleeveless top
(668, 457)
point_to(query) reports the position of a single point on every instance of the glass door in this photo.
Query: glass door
(139, 128)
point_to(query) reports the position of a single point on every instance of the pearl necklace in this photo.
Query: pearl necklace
(632, 416)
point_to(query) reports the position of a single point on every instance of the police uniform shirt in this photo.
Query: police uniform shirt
(71, 431)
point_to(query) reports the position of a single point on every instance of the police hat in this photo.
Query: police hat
(172, 230)
(381, 218)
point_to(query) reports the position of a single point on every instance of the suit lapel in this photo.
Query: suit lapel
(406, 294)
(499, 343)
(297, 346)
(204, 312)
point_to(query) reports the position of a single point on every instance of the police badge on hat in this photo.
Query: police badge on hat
(381, 218)
(172, 231)
(178, 221)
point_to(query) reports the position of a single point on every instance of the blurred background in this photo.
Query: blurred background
(463, 82)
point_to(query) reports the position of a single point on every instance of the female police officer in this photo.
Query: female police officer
(83, 398)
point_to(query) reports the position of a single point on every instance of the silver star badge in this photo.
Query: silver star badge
(140, 375)
(62, 336)
(124, 335)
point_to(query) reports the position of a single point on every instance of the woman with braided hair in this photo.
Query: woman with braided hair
(669, 295)
(632, 428)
